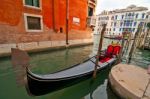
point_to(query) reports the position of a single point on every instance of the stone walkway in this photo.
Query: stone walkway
(130, 82)
(5, 49)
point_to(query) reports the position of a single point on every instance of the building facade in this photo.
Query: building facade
(26, 21)
(121, 20)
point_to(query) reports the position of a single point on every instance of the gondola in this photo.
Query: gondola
(42, 84)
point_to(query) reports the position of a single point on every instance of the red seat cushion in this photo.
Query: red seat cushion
(105, 59)
(109, 51)
(116, 50)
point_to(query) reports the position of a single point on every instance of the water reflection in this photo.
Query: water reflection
(47, 62)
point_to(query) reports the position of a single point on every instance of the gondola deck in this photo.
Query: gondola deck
(83, 68)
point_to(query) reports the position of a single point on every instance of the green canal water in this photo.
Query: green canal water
(51, 61)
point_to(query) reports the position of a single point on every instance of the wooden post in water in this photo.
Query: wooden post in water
(139, 38)
(67, 21)
(99, 49)
(146, 34)
(122, 47)
(134, 44)
(128, 42)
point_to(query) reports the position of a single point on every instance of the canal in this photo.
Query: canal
(51, 61)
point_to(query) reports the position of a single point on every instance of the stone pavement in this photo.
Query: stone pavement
(130, 82)
(5, 49)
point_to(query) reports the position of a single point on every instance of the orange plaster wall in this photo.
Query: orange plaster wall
(11, 14)
(62, 14)
(47, 12)
(78, 8)
(10, 11)
(59, 15)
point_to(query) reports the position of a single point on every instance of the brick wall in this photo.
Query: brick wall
(12, 25)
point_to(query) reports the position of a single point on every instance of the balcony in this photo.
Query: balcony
(91, 21)
(93, 2)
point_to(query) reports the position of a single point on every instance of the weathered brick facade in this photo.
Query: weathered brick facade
(53, 12)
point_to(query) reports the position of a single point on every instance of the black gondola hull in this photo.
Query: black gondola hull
(37, 87)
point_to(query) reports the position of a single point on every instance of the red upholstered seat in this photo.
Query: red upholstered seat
(116, 50)
(105, 59)
(111, 50)
(108, 54)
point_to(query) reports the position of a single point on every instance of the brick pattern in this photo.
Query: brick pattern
(12, 26)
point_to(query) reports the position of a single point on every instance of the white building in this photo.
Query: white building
(120, 20)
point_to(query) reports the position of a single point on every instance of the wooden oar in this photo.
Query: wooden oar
(99, 49)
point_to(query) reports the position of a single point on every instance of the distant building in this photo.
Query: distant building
(26, 21)
(120, 20)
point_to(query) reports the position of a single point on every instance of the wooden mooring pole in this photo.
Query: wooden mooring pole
(133, 47)
(99, 49)
(67, 21)
(122, 47)
(147, 34)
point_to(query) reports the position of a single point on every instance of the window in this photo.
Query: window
(112, 18)
(133, 29)
(90, 11)
(115, 24)
(132, 14)
(146, 16)
(130, 23)
(121, 23)
(33, 23)
(135, 23)
(129, 14)
(143, 15)
(120, 29)
(114, 29)
(136, 16)
(122, 16)
(116, 17)
(130, 29)
(32, 3)
(141, 23)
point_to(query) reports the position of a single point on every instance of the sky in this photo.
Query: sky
(119, 4)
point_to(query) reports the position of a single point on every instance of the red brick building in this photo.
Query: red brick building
(23, 21)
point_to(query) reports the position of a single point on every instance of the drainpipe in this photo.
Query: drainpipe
(53, 14)
(67, 19)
